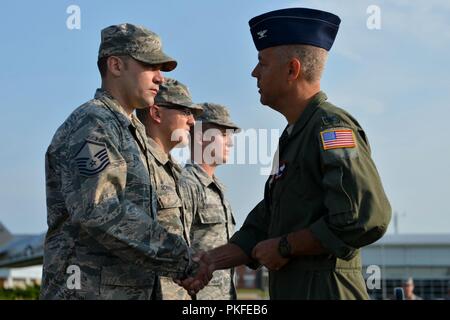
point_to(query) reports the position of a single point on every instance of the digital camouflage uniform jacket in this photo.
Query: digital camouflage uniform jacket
(210, 221)
(101, 210)
(330, 185)
(165, 175)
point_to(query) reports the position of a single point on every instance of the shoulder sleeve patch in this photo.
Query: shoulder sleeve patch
(92, 158)
(336, 138)
(331, 120)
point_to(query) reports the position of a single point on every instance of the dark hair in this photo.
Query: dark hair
(102, 65)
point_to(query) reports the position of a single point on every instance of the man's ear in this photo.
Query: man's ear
(294, 66)
(115, 65)
(154, 113)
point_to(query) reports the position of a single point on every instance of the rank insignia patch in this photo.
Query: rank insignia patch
(338, 138)
(92, 158)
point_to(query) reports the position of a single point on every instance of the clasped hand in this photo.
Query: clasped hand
(266, 252)
(202, 277)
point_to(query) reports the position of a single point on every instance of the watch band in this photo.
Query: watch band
(284, 247)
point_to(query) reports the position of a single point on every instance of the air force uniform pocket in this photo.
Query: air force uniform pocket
(92, 158)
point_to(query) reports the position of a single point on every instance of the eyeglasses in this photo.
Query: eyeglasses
(185, 111)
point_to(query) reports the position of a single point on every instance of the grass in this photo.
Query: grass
(29, 293)
(252, 294)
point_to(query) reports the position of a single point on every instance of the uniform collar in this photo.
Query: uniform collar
(289, 128)
(115, 106)
(219, 184)
(157, 151)
(317, 99)
(203, 177)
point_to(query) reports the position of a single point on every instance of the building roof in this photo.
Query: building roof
(418, 239)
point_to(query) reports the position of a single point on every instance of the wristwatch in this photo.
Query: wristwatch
(284, 248)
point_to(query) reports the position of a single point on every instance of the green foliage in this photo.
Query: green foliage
(29, 293)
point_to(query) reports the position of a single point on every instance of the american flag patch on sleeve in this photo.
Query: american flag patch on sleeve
(338, 138)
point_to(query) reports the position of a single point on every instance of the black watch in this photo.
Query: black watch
(284, 248)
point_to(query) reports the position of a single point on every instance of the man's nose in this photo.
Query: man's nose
(191, 120)
(254, 72)
(159, 77)
(230, 142)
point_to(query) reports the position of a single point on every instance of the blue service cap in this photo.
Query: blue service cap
(294, 26)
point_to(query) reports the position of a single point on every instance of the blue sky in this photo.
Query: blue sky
(394, 80)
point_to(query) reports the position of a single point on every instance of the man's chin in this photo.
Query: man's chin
(182, 143)
(218, 162)
(270, 105)
(263, 101)
(224, 159)
(144, 106)
(145, 103)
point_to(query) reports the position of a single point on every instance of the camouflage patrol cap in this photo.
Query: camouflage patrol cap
(137, 42)
(174, 93)
(216, 114)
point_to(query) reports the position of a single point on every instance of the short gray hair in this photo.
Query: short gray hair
(312, 59)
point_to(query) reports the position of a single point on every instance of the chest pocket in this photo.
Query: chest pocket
(300, 181)
(211, 214)
(167, 197)
(137, 172)
(137, 187)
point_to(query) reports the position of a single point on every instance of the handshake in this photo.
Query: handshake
(201, 275)
(265, 253)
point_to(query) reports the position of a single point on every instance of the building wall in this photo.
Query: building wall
(428, 264)
(20, 277)
(407, 255)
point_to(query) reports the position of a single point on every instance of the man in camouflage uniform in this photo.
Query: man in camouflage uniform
(167, 124)
(103, 241)
(208, 214)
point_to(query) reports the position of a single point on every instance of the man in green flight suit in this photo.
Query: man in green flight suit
(324, 199)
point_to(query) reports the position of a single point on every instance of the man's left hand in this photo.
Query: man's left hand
(266, 252)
